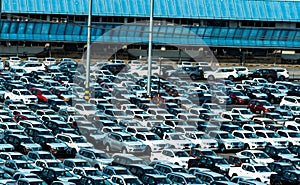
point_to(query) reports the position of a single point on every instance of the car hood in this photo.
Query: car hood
(261, 95)
(264, 161)
(68, 179)
(8, 182)
(6, 146)
(269, 107)
(287, 156)
(32, 146)
(105, 161)
(50, 96)
(231, 140)
(243, 97)
(224, 167)
(277, 95)
(84, 145)
(133, 143)
(57, 145)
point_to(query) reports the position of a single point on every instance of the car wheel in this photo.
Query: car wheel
(246, 147)
(270, 79)
(282, 78)
(211, 78)
(231, 78)
(148, 150)
(193, 77)
(107, 148)
(272, 100)
(124, 151)
(258, 179)
(277, 183)
(222, 149)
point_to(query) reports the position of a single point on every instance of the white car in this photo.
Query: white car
(74, 142)
(272, 137)
(153, 142)
(256, 156)
(97, 158)
(176, 156)
(290, 100)
(178, 140)
(221, 73)
(257, 171)
(21, 94)
(293, 137)
(250, 140)
(282, 74)
(244, 112)
(85, 109)
(202, 140)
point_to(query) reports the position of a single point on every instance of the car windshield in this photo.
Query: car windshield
(181, 154)
(46, 156)
(283, 151)
(152, 137)
(25, 165)
(25, 93)
(19, 157)
(132, 181)
(220, 161)
(90, 107)
(192, 180)
(79, 140)
(4, 176)
(52, 140)
(26, 140)
(129, 138)
(55, 164)
(226, 136)
(246, 111)
(102, 156)
(222, 178)
(162, 181)
(121, 172)
(202, 136)
(262, 169)
(261, 156)
(273, 135)
(177, 137)
(179, 170)
(93, 173)
(250, 135)
(63, 174)
(294, 134)
(82, 164)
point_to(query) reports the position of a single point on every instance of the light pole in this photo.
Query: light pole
(88, 54)
(150, 50)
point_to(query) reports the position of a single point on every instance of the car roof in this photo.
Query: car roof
(211, 173)
(187, 175)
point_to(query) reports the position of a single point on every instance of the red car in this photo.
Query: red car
(260, 106)
(42, 94)
(238, 97)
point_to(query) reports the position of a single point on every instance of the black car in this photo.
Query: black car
(295, 149)
(214, 163)
(93, 180)
(140, 170)
(53, 145)
(266, 73)
(22, 143)
(280, 167)
(277, 152)
(289, 177)
(58, 174)
(160, 130)
(274, 95)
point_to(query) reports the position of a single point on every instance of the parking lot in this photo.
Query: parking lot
(232, 125)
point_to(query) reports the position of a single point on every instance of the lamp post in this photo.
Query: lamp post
(88, 54)
(150, 50)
